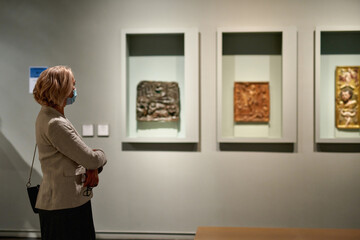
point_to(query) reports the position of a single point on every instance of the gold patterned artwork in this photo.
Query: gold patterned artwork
(157, 101)
(347, 97)
(251, 102)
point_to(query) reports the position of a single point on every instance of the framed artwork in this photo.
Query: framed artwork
(347, 97)
(159, 86)
(256, 85)
(157, 101)
(251, 102)
(337, 61)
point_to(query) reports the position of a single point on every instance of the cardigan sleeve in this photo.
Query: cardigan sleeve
(64, 138)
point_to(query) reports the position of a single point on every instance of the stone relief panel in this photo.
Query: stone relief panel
(347, 97)
(251, 102)
(157, 101)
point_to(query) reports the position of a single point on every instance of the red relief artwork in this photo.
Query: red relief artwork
(251, 102)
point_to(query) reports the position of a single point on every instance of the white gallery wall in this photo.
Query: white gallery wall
(170, 191)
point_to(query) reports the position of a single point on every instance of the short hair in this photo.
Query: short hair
(347, 89)
(53, 86)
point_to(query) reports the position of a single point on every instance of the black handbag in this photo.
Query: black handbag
(32, 191)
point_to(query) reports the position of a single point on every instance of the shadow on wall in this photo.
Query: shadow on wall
(16, 212)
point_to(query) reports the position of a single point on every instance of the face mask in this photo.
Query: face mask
(72, 99)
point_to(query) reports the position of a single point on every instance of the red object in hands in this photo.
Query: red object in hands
(92, 178)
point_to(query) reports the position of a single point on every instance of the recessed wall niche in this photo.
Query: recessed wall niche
(257, 55)
(159, 57)
(337, 62)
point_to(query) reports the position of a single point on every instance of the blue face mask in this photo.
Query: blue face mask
(72, 99)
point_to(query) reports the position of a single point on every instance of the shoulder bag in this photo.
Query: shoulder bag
(32, 191)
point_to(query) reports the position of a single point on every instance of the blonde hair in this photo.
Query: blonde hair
(53, 86)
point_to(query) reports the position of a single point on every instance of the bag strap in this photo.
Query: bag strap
(29, 182)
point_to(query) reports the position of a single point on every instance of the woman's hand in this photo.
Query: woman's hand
(92, 178)
(100, 168)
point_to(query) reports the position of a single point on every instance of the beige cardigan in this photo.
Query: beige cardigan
(63, 156)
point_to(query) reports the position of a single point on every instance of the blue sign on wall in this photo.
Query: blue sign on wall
(34, 73)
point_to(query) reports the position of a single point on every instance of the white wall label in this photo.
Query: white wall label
(103, 130)
(87, 130)
(34, 73)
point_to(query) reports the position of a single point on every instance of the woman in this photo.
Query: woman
(69, 166)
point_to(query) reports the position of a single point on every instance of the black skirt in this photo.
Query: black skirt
(67, 224)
